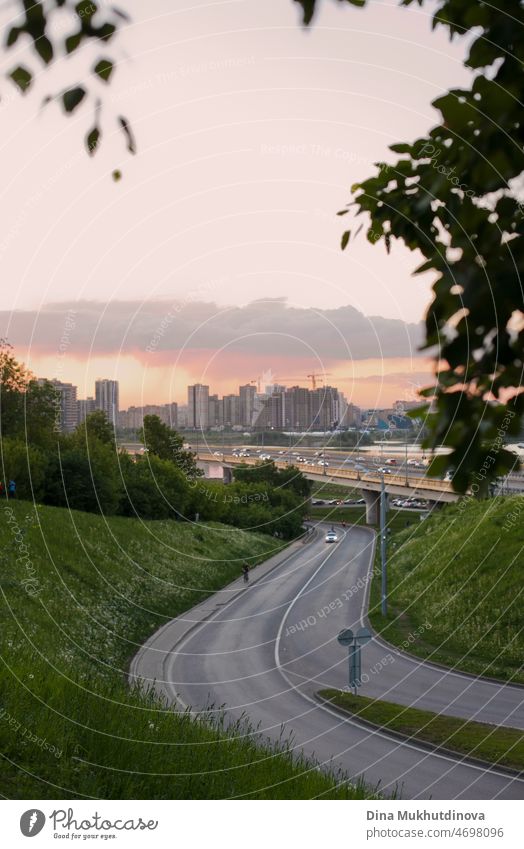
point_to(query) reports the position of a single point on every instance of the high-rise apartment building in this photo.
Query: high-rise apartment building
(247, 404)
(198, 406)
(297, 414)
(215, 411)
(133, 418)
(106, 398)
(84, 407)
(324, 408)
(169, 414)
(230, 410)
(268, 414)
(66, 415)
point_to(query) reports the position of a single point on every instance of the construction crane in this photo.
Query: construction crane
(314, 377)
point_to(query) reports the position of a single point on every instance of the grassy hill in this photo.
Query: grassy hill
(79, 595)
(460, 571)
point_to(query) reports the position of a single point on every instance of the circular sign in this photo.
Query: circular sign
(345, 637)
(363, 635)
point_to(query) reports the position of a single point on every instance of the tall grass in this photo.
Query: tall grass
(461, 571)
(79, 594)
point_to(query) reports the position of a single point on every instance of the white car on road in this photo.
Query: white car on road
(331, 536)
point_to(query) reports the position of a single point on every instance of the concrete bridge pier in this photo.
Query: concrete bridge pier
(227, 474)
(372, 500)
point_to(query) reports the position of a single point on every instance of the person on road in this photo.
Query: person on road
(245, 572)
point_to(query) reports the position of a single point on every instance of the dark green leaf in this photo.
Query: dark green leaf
(93, 140)
(105, 32)
(308, 7)
(400, 148)
(117, 175)
(73, 97)
(22, 78)
(12, 36)
(72, 42)
(44, 48)
(104, 69)
(86, 9)
(345, 239)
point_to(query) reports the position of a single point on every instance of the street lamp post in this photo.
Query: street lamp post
(384, 582)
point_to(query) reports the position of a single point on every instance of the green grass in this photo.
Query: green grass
(460, 571)
(396, 520)
(332, 490)
(502, 746)
(95, 590)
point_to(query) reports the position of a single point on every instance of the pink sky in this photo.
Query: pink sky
(250, 133)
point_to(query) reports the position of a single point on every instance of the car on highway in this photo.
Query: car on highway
(384, 471)
(331, 536)
(391, 462)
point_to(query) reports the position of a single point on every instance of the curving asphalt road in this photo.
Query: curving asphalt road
(265, 649)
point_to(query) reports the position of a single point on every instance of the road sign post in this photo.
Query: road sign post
(354, 643)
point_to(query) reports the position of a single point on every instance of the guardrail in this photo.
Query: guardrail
(349, 474)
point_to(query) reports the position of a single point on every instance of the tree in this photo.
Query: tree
(96, 426)
(153, 488)
(39, 414)
(83, 479)
(27, 409)
(14, 378)
(267, 473)
(453, 198)
(27, 465)
(166, 443)
(88, 23)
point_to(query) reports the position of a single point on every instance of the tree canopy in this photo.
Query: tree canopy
(167, 444)
(81, 23)
(454, 197)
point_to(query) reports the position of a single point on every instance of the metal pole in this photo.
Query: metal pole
(406, 460)
(352, 667)
(384, 589)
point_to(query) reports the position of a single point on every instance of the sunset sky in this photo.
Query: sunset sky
(221, 240)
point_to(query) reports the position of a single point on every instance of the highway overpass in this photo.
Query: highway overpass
(400, 484)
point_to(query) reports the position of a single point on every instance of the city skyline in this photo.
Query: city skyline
(169, 345)
(233, 197)
(274, 407)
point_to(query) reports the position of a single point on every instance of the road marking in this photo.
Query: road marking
(342, 719)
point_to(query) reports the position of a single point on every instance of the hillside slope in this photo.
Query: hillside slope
(461, 570)
(79, 595)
